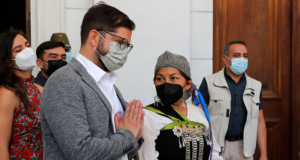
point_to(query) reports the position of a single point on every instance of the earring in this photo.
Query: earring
(183, 104)
(157, 100)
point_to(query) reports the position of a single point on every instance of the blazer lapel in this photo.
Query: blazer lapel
(88, 79)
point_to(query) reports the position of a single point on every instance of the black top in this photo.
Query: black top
(40, 79)
(167, 143)
(238, 114)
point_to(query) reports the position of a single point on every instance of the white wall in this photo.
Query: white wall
(201, 39)
(160, 26)
(46, 18)
(182, 27)
(74, 12)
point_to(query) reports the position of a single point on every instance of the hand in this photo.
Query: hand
(142, 123)
(133, 119)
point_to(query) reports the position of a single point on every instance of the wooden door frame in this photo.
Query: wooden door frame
(295, 109)
(27, 19)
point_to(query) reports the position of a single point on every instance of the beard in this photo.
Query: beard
(97, 58)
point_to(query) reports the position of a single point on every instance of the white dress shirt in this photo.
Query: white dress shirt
(105, 82)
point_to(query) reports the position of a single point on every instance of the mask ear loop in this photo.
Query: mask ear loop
(103, 37)
(183, 104)
(98, 52)
(229, 59)
(15, 67)
(96, 48)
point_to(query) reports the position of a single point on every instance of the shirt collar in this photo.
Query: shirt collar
(227, 77)
(42, 78)
(96, 72)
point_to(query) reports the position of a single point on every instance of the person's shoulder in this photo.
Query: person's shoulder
(8, 97)
(212, 76)
(148, 108)
(4, 92)
(61, 81)
(197, 114)
(154, 121)
(65, 74)
(195, 109)
(149, 113)
(252, 79)
(39, 87)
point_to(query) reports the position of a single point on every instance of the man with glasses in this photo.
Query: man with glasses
(85, 116)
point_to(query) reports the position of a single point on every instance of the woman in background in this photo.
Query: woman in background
(20, 129)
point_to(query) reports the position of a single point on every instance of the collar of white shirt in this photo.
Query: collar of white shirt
(96, 72)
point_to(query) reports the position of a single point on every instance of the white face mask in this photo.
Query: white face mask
(115, 58)
(25, 60)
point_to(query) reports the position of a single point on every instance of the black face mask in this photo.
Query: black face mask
(54, 65)
(169, 93)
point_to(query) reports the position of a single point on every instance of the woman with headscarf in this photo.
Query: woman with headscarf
(173, 128)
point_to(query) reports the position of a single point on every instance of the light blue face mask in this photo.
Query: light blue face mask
(238, 65)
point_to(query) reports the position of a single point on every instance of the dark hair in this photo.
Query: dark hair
(227, 46)
(7, 76)
(40, 51)
(183, 74)
(104, 17)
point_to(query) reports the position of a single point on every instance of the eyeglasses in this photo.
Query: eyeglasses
(123, 41)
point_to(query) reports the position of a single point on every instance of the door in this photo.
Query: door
(296, 81)
(266, 27)
(15, 14)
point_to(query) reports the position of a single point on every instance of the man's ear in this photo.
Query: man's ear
(224, 58)
(93, 38)
(39, 63)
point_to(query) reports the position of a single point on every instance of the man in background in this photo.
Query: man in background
(50, 57)
(62, 37)
(235, 105)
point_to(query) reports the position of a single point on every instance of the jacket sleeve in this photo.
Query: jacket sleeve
(134, 154)
(63, 109)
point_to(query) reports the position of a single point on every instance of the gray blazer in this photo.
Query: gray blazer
(76, 119)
